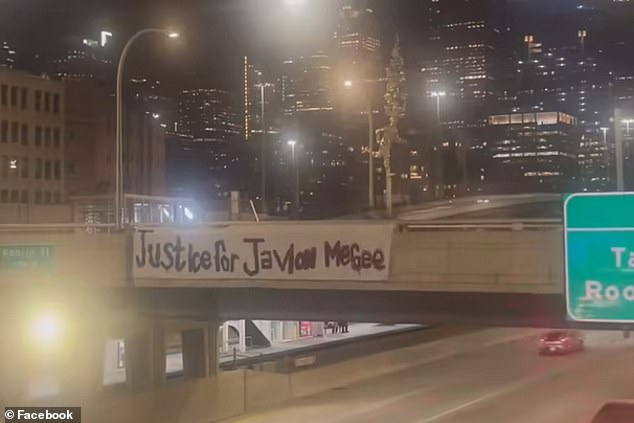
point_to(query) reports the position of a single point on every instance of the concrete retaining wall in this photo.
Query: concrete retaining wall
(266, 389)
(191, 401)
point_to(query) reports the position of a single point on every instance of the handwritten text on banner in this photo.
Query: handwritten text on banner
(265, 251)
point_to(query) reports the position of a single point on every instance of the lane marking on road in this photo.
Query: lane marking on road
(508, 389)
(461, 407)
(381, 404)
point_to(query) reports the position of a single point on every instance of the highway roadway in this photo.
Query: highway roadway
(464, 207)
(499, 382)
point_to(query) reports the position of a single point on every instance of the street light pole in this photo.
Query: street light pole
(438, 110)
(371, 200)
(263, 87)
(370, 156)
(627, 123)
(293, 143)
(438, 94)
(119, 183)
(618, 144)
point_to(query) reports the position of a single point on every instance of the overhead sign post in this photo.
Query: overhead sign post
(599, 257)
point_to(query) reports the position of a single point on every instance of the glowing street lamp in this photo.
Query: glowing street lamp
(119, 185)
(581, 35)
(45, 329)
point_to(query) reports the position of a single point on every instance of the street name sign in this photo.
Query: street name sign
(26, 256)
(599, 257)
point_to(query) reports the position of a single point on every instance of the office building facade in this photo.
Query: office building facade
(7, 55)
(256, 90)
(307, 85)
(460, 79)
(533, 152)
(208, 115)
(90, 148)
(358, 44)
(576, 81)
(464, 36)
(204, 154)
(82, 58)
(32, 131)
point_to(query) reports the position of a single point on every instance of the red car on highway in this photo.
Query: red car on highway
(615, 412)
(561, 342)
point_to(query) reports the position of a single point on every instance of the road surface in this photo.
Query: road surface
(499, 383)
(464, 207)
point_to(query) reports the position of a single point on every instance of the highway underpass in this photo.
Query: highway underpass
(498, 309)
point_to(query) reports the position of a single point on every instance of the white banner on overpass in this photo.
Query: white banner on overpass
(265, 251)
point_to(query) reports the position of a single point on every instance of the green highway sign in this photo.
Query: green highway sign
(26, 256)
(599, 257)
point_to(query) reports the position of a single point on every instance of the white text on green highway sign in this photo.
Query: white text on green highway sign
(599, 257)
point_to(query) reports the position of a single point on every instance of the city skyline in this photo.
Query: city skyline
(322, 73)
(268, 32)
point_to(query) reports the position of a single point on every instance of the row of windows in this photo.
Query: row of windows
(14, 97)
(15, 132)
(40, 197)
(39, 168)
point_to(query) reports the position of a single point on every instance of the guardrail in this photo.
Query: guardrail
(58, 227)
(411, 226)
(491, 224)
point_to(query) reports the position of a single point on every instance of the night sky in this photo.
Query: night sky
(218, 33)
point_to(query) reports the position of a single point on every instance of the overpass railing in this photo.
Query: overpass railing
(94, 228)
(409, 226)
(488, 224)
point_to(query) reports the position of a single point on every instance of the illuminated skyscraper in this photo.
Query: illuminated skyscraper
(252, 98)
(534, 152)
(208, 115)
(358, 58)
(7, 55)
(357, 37)
(202, 151)
(460, 82)
(575, 80)
(464, 35)
(307, 85)
(83, 58)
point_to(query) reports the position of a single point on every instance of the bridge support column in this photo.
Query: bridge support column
(83, 370)
(145, 357)
(200, 351)
(194, 360)
(212, 347)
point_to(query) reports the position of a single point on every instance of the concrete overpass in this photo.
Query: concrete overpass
(508, 273)
(106, 290)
